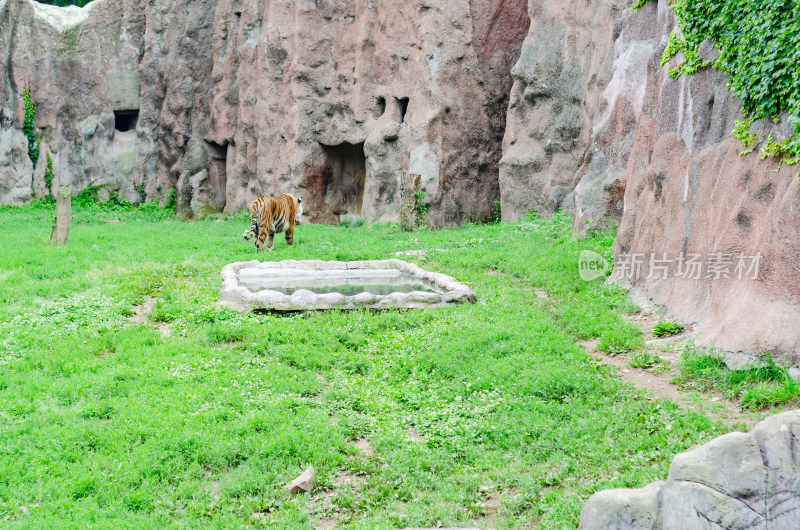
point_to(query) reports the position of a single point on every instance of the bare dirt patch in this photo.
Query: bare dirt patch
(363, 446)
(325, 388)
(350, 480)
(141, 311)
(326, 524)
(491, 505)
(140, 317)
(164, 329)
(212, 485)
(659, 383)
(413, 435)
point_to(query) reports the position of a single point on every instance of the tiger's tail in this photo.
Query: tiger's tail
(255, 216)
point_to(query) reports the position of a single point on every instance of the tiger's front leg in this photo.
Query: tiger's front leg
(290, 236)
(270, 243)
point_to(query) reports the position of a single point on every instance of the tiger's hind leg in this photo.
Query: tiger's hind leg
(262, 236)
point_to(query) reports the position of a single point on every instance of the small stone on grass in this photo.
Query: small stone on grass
(303, 483)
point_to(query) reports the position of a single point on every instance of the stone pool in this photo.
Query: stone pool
(302, 285)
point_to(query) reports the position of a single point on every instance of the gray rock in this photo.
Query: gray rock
(737, 481)
(599, 195)
(124, 87)
(622, 509)
(16, 169)
(741, 360)
(303, 483)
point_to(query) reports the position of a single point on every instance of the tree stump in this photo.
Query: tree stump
(409, 216)
(63, 216)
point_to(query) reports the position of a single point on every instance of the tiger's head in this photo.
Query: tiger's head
(298, 215)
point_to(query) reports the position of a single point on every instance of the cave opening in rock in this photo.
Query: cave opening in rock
(402, 107)
(217, 173)
(342, 184)
(380, 106)
(125, 120)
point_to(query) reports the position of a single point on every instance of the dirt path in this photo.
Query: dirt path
(658, 380)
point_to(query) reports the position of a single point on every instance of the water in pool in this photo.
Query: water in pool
(345, 282)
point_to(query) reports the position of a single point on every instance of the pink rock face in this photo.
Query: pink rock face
(596, 126)
(556, 102)
(334, 100)
(67, 70)
(689, 191)
(238, 98)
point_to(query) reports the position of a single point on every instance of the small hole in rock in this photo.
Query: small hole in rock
(125, 120)
(380, 106)
(402, 105)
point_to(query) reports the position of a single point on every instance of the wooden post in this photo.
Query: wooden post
(63, 216)
(409, 185)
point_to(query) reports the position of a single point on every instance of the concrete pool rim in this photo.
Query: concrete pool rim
(239, 298)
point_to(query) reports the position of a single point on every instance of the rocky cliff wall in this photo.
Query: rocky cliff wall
(690, 195)
(336, 101)
(597, 127)
(558, 96)
(71, 59)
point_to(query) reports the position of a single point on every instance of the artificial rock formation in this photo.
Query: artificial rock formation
(290, 285)
(737, 481)
(227, 100)
(689, 192)
(596, 126)
(565, 95)
(78, 63)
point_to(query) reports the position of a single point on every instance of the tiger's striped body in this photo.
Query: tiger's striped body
(272, 215)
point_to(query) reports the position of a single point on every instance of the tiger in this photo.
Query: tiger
(272, 215)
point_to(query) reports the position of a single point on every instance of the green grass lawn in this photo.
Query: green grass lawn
(476, 415)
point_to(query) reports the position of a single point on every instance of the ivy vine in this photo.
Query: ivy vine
(421, 206)
(27, 126)
(48, 177)
(759, 50)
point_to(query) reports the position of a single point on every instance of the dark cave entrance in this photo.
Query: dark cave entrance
(217, 173)
(348, 167)
(125, 120)
(380, 107)
(336, 188)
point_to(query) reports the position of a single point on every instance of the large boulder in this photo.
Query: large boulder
(737, 481)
